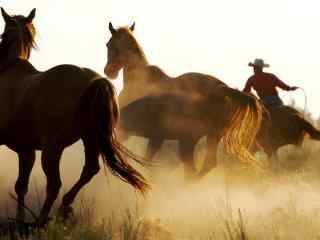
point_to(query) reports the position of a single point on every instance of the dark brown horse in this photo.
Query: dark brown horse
(284, 125)
(167, 117)
(51, 110)
(234, 117)
(170, 117)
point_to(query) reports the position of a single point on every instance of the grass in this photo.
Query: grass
(232, 203)
(222, 222)
(236, 214)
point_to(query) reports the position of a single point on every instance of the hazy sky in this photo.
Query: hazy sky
(215, 37)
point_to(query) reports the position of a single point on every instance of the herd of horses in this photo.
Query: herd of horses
(185, 108)
(51, 110)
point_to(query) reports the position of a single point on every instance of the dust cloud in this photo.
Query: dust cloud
(231, 197)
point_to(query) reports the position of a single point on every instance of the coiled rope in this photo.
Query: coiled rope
(305, 100)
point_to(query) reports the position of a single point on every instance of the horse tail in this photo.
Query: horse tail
(310, 129)
(243, 125)
(106, 115)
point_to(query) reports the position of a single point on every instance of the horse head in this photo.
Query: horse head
(18, 36)
(123, 50)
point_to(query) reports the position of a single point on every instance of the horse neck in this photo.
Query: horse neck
(136, 60)
(134, 77)
(17, 68)
(12, 52)
(9, 52)
(130, 93)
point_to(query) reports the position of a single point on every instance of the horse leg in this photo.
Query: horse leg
(186, 149)
(274, 162)
(90, 169)
(50, 161)
(272, 158)
(26, 162)
(210, 160)
(153, 147)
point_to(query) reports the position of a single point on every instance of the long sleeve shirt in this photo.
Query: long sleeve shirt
(265, 84)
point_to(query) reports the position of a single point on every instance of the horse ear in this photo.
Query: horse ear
(111, 28)
(133, 26)
(31, 16)
(5, 15)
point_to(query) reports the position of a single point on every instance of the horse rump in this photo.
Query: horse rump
(243, 124)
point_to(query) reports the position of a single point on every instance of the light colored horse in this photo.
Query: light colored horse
(233, 115)
(51, 110)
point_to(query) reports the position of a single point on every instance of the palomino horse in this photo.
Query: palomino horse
(51, 110)
(234, 116)
(283, 126)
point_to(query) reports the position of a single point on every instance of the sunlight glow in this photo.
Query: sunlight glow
(209, 36)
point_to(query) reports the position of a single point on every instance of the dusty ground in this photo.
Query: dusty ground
(232, 202)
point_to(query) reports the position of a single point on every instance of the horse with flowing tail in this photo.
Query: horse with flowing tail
(282, 126)
(235, 115)
(51, 110)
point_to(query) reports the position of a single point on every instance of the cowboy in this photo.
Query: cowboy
(265, 84)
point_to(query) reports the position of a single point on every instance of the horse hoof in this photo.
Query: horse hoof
(66, 212)
(21, 216)
(41, 223)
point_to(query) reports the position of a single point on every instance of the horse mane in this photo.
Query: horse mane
(24, 43)
(135, 46)
(28, 41)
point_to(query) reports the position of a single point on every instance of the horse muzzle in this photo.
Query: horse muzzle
(111, 71)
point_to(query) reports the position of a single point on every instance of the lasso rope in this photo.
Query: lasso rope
(305, 101)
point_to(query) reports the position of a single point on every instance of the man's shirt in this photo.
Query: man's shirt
(265, 84)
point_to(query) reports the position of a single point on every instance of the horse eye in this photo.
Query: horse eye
(12, 23)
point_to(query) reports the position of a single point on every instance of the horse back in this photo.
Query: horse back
(168, 116)
(285, 125)
(49, 106)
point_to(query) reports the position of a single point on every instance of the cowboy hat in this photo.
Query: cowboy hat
(258, 63)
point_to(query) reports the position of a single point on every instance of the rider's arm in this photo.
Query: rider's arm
(281, 84)
(248, 86)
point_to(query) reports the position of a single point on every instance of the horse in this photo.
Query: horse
(282, 126)
(235, 116)
(50, 111)
(171, 117)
